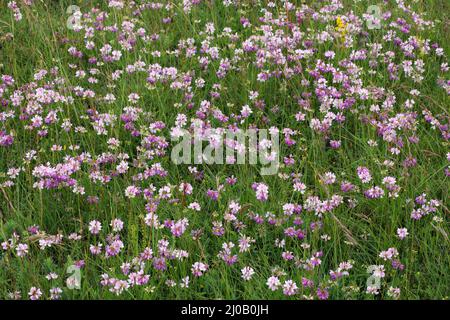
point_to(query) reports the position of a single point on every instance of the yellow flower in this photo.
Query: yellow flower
(341, 26)
(340, 23)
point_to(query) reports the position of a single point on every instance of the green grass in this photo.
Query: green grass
(372, 224)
